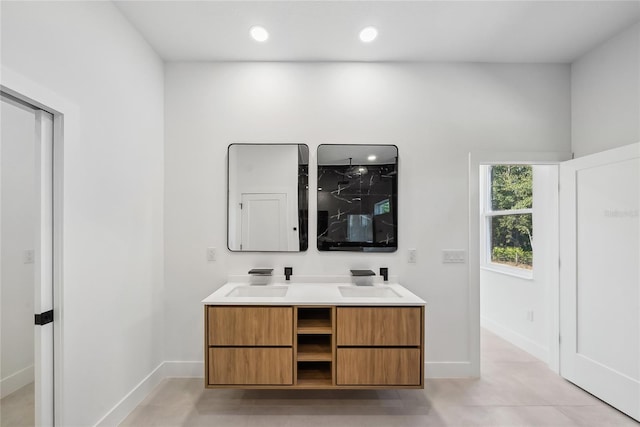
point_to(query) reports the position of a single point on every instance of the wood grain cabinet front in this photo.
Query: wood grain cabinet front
(380, 346)
(379, 326)
(251, 366)
(379, 366)
(250, 326)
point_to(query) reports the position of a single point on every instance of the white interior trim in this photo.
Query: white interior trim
(492, 158)
(16, 381)
(43, 283)
(180, 369)
(65, 130)
(195, 369)
(132, 399)
(516, 339)
(168, 369)
(449, 370)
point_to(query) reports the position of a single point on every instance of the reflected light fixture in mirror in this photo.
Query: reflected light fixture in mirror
(268, 197)
(259, 34)
(357, 198)
(368, 34)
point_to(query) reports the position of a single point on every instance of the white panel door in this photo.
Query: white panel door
(264, 222)
(44, 269)
(600, 276)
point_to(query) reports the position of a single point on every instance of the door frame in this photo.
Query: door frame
(494, 158)
(65, 130)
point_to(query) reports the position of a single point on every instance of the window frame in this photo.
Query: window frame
(486, 215)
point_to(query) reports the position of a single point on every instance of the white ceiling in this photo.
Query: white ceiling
(470, 31)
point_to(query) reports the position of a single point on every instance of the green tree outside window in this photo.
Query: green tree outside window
(511, 233)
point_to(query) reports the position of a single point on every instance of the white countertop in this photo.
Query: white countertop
(313, 294)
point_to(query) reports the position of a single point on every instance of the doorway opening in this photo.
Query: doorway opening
(518, 253)
(26, 263)
(476, 221)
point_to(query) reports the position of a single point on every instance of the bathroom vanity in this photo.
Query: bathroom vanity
(314, 335)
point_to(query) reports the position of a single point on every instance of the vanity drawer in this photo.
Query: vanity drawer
(379, 326)
(250, 366)
(379, 366)
(250, 326)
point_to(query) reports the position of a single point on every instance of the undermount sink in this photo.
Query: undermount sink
(258, 291)
(367, 292)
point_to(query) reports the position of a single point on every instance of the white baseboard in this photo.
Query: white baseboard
(16, 381)
(169, 369)
(178, 369)
(195, 369)
(129, 402)
(448, 370)
(520, 341)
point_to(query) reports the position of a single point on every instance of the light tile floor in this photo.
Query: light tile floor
(17, 409)
(515, 390)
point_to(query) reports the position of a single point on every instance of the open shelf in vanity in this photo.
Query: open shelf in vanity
(314, 347)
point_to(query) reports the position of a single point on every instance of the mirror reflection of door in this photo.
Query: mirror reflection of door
(268, 197)
(264, 225)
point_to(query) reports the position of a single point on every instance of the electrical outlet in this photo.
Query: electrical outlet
(29, 256)
(211, 254)
(412, 256)
(530, 315)
(454, 256)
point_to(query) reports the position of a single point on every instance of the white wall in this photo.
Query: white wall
(435, 113)
(506, 299)
(605, 95)
(17, 235)
(88, 54)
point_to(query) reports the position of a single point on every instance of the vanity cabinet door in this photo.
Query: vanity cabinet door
(379, 366)
(379, 326)
(250, 326)
(250, 366)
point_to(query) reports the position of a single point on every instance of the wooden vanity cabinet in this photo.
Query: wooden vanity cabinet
(314, 347)
(249, 346)
(380, 346)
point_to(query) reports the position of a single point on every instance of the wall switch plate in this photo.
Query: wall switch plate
(530, 315)
(412, 256)
(211, 254)
(29, 256)
(454, 256)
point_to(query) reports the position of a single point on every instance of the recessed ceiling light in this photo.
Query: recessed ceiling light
(372, 157)
(368, 34)
(259, 33)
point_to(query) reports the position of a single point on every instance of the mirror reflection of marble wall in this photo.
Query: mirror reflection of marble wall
(357, 198)
(268, 197)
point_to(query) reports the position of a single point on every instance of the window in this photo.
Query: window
(382, 207)
(507, 213)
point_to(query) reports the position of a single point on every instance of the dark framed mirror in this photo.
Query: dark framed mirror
(268, 197)
(357, 198)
